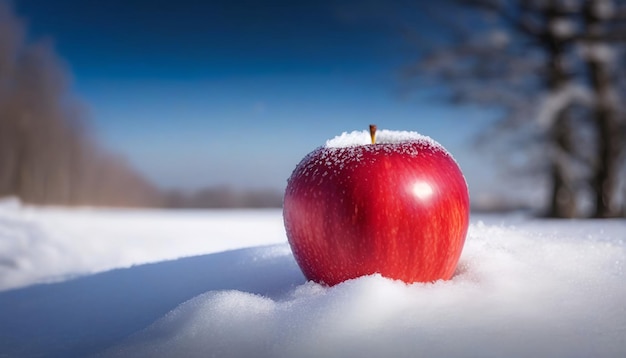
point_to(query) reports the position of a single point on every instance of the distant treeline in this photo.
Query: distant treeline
(48, 155)
(224, 197)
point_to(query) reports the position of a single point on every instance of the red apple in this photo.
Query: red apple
(399, 207)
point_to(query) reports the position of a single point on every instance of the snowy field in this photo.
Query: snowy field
(123, 283)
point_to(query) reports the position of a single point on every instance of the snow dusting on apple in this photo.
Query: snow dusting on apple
(384, 136)
(389, 202)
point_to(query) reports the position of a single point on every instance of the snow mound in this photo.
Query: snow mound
(545, 289)
(10, 203)
(40, 245)
(523, 287)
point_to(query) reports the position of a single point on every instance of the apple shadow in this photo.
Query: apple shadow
(462, 268)
(83, 316)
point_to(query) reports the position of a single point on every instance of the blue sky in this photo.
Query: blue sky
(198, 93)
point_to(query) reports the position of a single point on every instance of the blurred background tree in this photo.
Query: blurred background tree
(553, 71)
(48, 154)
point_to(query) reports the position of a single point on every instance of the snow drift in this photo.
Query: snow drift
(524, 287)
(517, 293)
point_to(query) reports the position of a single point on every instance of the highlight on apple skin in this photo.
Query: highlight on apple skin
(388, 202)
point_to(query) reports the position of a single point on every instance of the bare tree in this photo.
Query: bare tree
(522, 58)
(599, 56)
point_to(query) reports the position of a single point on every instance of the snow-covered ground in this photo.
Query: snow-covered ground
(149, 283)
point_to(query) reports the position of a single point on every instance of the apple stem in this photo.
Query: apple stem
(373, 133)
